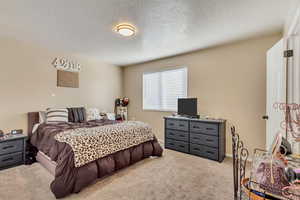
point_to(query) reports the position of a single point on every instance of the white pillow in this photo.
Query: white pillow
(42, 117)
(111, 116)
(35, 127)
(93, 114)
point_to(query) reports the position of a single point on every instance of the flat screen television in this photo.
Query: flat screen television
(187, 107)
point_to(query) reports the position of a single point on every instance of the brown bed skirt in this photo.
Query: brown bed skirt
(100, 168)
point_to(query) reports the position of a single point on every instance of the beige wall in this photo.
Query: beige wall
(229, 82)
(28, 83)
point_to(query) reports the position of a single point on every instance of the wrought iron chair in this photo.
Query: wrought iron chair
(239, 156)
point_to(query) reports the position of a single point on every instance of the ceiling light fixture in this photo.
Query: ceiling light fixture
(126, 30)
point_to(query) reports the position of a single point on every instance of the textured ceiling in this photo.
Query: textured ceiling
(165, 27)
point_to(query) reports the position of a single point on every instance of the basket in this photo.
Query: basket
(251, 195)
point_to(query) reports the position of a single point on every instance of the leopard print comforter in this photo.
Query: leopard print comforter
(89, 144)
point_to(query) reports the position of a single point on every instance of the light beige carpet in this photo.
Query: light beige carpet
(173, 176)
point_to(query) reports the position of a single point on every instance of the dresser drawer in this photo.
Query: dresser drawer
(208, 140)
(177, 145)
(204, 151)
(177, 124)
(205, 128)
(177, 135)
(11, 146)
(11, 159)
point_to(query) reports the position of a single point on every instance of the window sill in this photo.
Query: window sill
(159, 110)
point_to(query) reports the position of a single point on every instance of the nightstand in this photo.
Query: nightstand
(12, 150)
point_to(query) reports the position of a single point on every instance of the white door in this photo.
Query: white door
(294, 70)
(276, 90)
(293, 93)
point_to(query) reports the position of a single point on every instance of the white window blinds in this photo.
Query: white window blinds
(162, 89)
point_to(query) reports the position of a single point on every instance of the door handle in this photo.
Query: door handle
(265, 117)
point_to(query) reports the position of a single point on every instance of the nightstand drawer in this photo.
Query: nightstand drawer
(177, 145)
(177, 135)
(205, 128)
(11, 146)
(204, 151)
(177, 124)
(11, 159)
(208, 140)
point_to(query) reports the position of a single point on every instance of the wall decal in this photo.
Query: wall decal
(67, 79)
(66, 65)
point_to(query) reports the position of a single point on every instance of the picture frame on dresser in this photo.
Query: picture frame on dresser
(12, 150)
(199, 137)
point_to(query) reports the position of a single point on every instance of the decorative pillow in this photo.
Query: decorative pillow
(93, 114)
(81, 114)
(111, 116)
(70, 115)
(42, 117)
(77, 115)
(56, 115)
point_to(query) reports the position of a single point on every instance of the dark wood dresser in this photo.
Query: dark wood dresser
(200, 137)
(12, 150)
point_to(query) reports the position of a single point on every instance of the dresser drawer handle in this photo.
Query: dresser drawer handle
(195, 138)
(182, 135)
(171, 124)
(210, 152)
(171, 133)
(171, 143)
(182, 146)
(7, 159)
(197, 149)
(196, 127)
(210, 129)
(181, 125)
(209, 140)
(8, 147)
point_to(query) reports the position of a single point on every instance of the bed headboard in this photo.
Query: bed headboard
(33, 118)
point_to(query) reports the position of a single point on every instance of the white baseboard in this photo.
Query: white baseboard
(161, 141)
(230, 156)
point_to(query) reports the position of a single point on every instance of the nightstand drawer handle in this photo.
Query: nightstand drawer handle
(196, 127)
(181, 125)
(195, 138)
(171, 133)
(182, 146)
(7, 159)
(171, 144)
(209, 140)
(8, 147)
(197, 149)
(182, 135)
(210, 129)
(171, 124)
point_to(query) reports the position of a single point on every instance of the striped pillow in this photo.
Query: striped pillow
(56, 115)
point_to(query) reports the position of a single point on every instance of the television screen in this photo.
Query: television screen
(187, 106)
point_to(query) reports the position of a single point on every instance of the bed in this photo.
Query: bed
(78, 154)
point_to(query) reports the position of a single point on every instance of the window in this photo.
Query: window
(162, 89)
